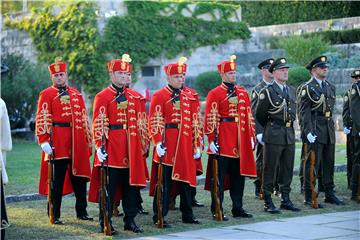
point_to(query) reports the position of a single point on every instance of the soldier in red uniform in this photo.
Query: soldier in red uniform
(174, 128)
(145, 146)
(199, 168)
(62, 118)
(118, 116)
(229, 126)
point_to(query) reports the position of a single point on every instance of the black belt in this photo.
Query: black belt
(229, 119)
(117, 126)
(61, 124)
(282, 123)
(171, 125)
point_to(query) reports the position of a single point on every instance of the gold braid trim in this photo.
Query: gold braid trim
(44, 120)
(157, 122)
(212, 118)
(196, 126)
(101, 123)
(143, 131)
(85, 122)
(251, 120)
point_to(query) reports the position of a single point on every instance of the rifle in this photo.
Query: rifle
(159, 189)
(104, 198)
(314, 203)
(215, 183)
(51, 181)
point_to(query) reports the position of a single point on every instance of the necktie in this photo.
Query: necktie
(285, 91)
(323, 85)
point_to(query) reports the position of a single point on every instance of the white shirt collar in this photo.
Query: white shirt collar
(319, 81)
(268, 83)
(280, 85)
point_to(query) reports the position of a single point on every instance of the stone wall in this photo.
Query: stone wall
(15, 41)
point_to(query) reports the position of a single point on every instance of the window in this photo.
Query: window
(148, 71)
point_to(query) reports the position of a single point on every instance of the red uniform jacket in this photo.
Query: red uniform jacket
(122, 145)
(181, 142)
(74, 142)
(234, 138)
(200, 131)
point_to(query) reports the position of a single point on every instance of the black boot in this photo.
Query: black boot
(269, 205)
(354, 192)
(257, 188)
(307, 200)
(302, 185)
(331, 198)
(131, 226)
(287, 204)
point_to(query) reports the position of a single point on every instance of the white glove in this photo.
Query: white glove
(160, 150)
(214, 148)
(252, 143)
(46, 148)
(197, 153)
(259, 138)
(311, 138)
(346, 130)
(101, 155)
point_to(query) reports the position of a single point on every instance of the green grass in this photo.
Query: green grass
(29, 220)
(23, 165)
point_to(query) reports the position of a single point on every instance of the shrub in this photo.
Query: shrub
(298, 75)
(20, 88)
(207, 81)
(301, 51)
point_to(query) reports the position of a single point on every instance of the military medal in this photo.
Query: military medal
(233, 100)
(65, 99)
(177, 104)
(122, 105)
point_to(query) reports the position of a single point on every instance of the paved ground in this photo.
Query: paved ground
(339, 226)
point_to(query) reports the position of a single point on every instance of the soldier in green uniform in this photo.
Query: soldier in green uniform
(316, 107)
(266, 80)
(351, 119)
(276, 111)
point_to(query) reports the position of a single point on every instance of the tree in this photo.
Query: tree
(207, 81)
(298, 75)
(301, 51)
(20, 88)
(71, 34)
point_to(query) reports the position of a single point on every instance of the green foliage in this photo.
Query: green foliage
(150, 37)
(72, 35)
(341, 36)
(207, 81)
(216, 9)
(298, 75)
(150, 30)
(301, 51)
(332, 36)
(262, 13)
(21, 86)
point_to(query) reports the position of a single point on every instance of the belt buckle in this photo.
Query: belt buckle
(236, 119)
(288, 124)
(124, 126)
(327, 114)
